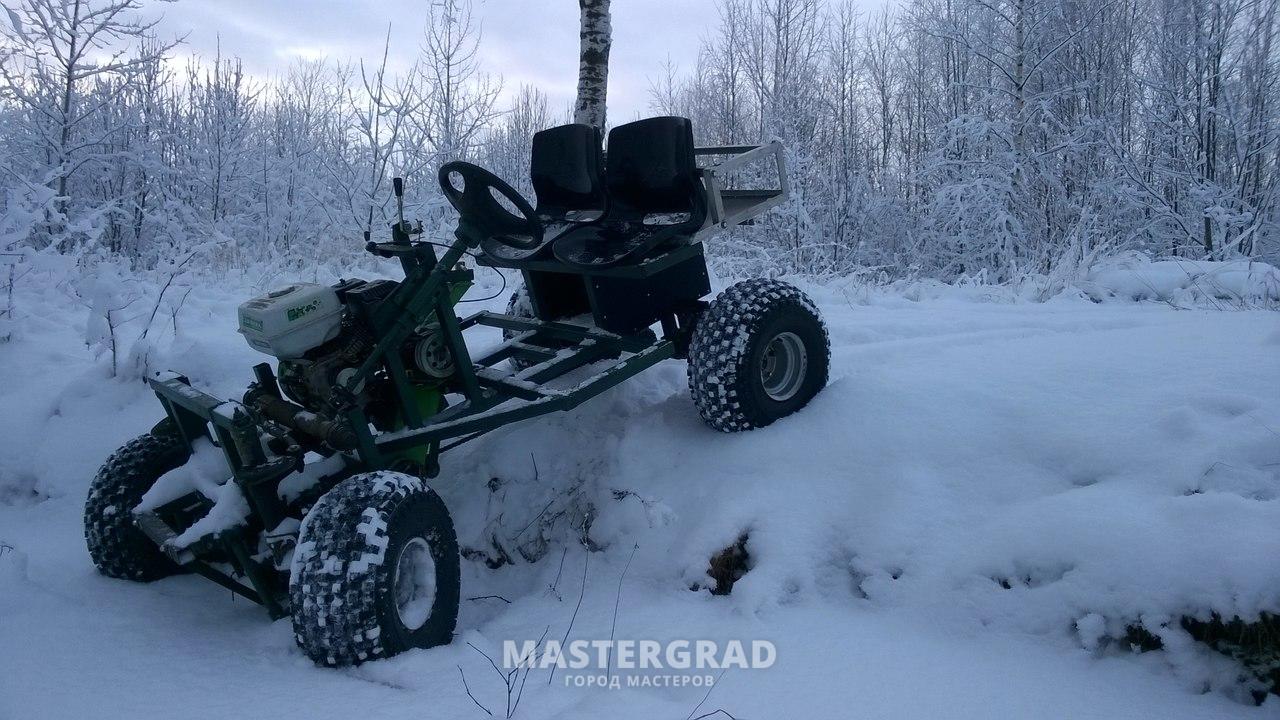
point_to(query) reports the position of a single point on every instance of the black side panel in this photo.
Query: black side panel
(556, 296)
(628, 305)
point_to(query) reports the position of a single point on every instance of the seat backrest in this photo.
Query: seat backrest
(651, 167)
(566, 169)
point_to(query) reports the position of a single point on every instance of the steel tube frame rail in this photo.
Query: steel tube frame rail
(713, 176)
(492, 415)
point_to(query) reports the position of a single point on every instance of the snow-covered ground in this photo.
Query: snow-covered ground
(961, 525)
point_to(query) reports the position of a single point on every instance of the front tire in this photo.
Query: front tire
(375, 572)
(119, 549)
(759, 353)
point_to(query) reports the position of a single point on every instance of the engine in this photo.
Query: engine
(321, 335)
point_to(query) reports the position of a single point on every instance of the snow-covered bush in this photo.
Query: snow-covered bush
(1240, 283)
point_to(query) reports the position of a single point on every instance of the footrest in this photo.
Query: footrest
(532, 352)
(162, 535)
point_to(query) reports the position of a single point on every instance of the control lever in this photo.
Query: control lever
(402, 229)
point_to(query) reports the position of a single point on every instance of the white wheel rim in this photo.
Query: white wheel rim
(783, 366)
(415, 583)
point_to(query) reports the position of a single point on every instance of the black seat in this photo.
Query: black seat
(567, 171)
(656, 197)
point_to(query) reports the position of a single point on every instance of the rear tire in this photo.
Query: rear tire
(759, 353)
(375, 572)
(118, 548)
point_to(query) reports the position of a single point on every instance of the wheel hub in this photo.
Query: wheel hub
(782, 368)
(432, 355)
(415, 583)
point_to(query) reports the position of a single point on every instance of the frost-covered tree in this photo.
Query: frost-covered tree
(66, 63)
(459, 96)
(381, 110)
(505, 147)
(302, 125)
(998, 138)
(993, 139)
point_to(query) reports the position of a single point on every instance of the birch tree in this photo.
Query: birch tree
(595, 39)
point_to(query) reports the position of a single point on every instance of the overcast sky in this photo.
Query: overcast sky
(532, 42)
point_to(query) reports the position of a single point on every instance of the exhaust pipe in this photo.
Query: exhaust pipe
(295, 417)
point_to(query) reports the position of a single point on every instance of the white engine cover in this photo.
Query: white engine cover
(288, 322)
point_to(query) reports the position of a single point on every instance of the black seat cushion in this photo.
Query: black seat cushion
(567, 170)
(601, 245)
(651, 171)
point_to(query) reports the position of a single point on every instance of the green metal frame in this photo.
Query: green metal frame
(262, 451)
(492, 399)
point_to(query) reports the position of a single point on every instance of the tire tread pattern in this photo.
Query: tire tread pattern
(718, 350)
(340, 567)
(119, 549)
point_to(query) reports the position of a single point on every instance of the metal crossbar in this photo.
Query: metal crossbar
(729, 207)
(508, 408)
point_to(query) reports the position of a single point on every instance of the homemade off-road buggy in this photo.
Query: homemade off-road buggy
(325, 515)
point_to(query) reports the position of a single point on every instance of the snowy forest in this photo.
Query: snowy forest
(979, 420)
(985, 140)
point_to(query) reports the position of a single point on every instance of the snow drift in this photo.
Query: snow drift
(975, 474)
(1179, 281)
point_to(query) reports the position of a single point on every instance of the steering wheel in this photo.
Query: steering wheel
(476, 193)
